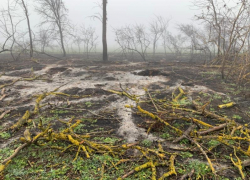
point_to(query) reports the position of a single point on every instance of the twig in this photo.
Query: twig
(186, 133)
(2, 97)
(215, 128)
(4, 113)
(152, 101)
(246, 163)
(187, 175)
(203, 152)
(15, 153)
(2, 92)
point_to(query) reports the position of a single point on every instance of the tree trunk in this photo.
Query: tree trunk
(28, 23)
(104, 32)
(61, 39)
(219, 41)
(154, 47)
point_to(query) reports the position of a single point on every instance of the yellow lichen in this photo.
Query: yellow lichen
(171, 168)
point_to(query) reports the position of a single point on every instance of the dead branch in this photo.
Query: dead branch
(15, 153)
(4, 113)
(186, 133)
(3, 96)
(203, 152)
(188, 175)
(246, 163)
(215, 128)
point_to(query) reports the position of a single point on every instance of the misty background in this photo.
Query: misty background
(120, 13)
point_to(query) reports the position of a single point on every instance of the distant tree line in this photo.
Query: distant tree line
(55, 30)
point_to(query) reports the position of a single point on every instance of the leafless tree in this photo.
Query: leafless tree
(190, 32)
(212, 14)
(77, 39)
(3, 48)
(89, 39)
(24, 6)
(157, 28)
(8, 28)
(103, 19)
(54, 12)
(133, 38)
(231, 21)
(175, 43)
(44, 39)
(104, 30)
(122, 37)
(197, 40)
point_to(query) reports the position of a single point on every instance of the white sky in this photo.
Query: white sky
(123, 12)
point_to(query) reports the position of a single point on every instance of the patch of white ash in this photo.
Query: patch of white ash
(128, 129)
(127, 78)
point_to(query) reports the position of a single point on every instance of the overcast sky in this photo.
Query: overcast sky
(123, 12)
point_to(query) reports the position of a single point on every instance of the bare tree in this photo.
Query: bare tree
(44, 39)
(103, 19)
(122, 37)
(25, 9)
(190, 32)
(89, 39)
(197, 40)
(157, 28)
(175, 43)
(54, 12)
(212, 14)
(8, 28)
(104, 31)
(133, 38)
(231, 20)
(77, 39)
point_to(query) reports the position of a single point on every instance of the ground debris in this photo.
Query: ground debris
(186, 124)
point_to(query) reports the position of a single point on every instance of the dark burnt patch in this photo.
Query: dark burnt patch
(95, 92)
(56, 70)
(2, 82)
(67, 72)
(81, 73)
(153, 72)
(73, 91)
(110, 78)
(23, 87)
(25, 73)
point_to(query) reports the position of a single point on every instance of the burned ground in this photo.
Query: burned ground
(104, 99)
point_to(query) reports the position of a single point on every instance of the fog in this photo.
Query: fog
(120, 13)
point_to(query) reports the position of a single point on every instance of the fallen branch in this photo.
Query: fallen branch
(203, 152)
(186, 133)
(15, 152)
(188, 175)
(171, 168)
(215, 128)
(238, 164)
(3, 96)
(2, 92)
(4, 113)
(246, 163)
